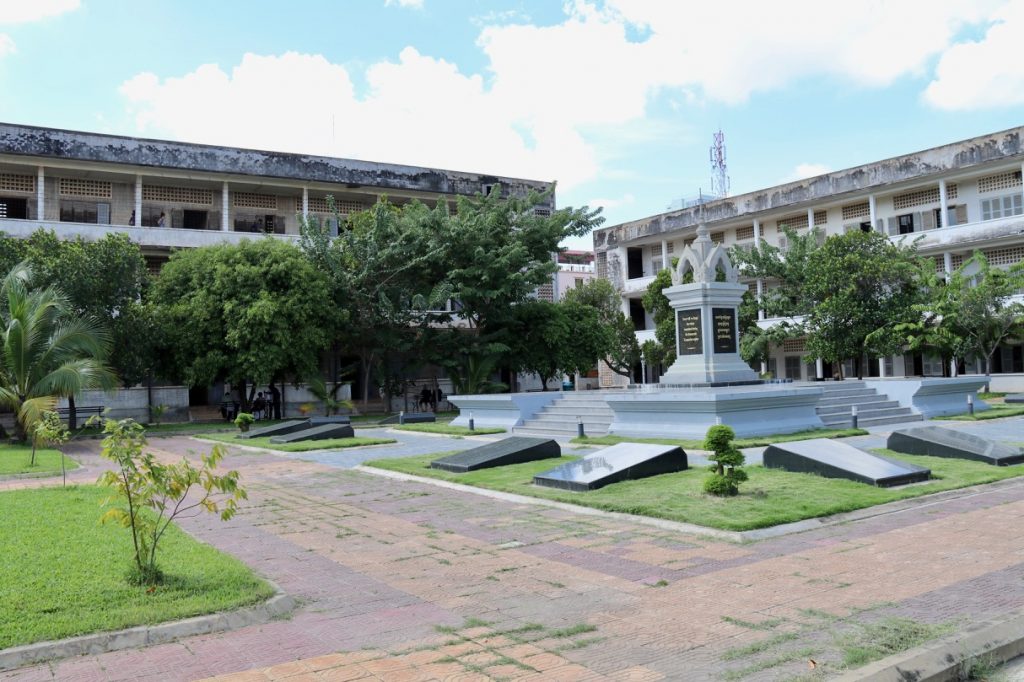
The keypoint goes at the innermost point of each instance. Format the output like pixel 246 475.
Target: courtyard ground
pixel 409 581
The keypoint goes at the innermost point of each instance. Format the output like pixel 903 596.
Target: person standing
pixel 275 401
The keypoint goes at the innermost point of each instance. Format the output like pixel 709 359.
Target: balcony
pixel 965 237
pixel 645 335
pixel 160 237
pixel 637 284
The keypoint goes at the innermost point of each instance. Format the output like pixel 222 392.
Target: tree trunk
pixel 240 387
pixel 72 416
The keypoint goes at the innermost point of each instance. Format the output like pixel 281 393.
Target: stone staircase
pixel 873 408
pixel 558 420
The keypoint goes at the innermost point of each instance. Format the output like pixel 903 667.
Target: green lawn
pixel 769 498
pixel 996 412
pixel 752 442
pixel 449 429
pixel 14 459
pixel 62 572
pixel 329 444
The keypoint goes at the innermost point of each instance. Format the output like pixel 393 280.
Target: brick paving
pixel 409 581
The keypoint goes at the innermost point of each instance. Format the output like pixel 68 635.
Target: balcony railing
pixel 965 236
pixel 172 237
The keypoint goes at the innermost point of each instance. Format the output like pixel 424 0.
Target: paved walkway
pixel 408 581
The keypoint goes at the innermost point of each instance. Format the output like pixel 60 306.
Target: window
pixel 92 212
pixel 906 223
pixel 249 222
pixel 1002 207
pixel 579 282
pixel 793 367
pixel 13 207
pixel 772 364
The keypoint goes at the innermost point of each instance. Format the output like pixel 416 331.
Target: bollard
pixel 471 422
pixel 579 427
pixel 970 404
pixel 401 417
pixel 853 415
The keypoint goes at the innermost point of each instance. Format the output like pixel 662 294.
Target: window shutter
pixel 30 211
pixel 213 220
pixel 961 214
pixel 819 237
pixel 879 225
pixel 177 218
pixel 894 227
pixel 847 229
pixel 918 222
pixel 927 220
pixel 102 213
pixel 783 243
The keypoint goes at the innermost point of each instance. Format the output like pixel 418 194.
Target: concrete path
pixel 408 581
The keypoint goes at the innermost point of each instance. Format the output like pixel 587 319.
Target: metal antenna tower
pixel 719 176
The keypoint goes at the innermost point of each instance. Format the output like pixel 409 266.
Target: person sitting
pixel 259 406
pixel 425 396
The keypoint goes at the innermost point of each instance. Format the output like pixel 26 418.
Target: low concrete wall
pixel 133 403
pixel 1006 383
pixel 933 397
pixel 750 411
pixel 297 399
pixel 500 409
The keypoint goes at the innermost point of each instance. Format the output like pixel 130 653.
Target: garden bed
pixel 62 573
pixel 771 497
pixel 449 430
pixel 752 442
pixel 302 446
pixel 14 460
pixel 997 411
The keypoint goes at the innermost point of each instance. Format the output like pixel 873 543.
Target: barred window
pixel 601 264
pixel 993 183
pixel 795 222
pixel 861 210
pixel 1004 257
pixel 74 187
pixel 793 345
pixel 178 195
pixel 820 217
pixel 253 200
pixel 744 233
pixel 923 196
pixel 320 205
pixel 17 183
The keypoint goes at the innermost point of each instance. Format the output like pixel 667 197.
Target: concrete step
pixel 847 394
pixel 844 408
pixel 869 417
pixel 879 421
pixel 578 411
pixel 561 434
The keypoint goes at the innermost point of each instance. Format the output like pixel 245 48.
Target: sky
pixel 616 100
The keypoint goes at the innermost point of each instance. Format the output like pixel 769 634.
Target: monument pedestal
pixel 707 334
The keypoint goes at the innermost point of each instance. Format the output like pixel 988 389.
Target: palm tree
pixel 46 351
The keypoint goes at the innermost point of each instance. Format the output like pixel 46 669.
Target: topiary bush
pixel 726 472
pixel 244 420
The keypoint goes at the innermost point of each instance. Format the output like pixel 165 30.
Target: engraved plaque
pixel 724 324
pixel 691 338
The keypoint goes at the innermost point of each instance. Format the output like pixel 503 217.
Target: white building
pixel 950 200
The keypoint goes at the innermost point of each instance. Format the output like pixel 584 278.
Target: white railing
pixel 173 237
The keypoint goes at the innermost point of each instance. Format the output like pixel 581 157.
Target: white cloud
pixel 7 45
pixel 24 11
pixel 985 73
pixel 807 170
pixel 607 204
pixel 415 4
pixel 554 98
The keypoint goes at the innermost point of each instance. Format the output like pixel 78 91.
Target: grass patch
pixel 877 640
pixel 448 429
pixel 62 572
pixel 770 624
pixel 769 498
pixel 328 444
pixel 14 459
pixel 753 442
pixel 995 412
pixel 992 395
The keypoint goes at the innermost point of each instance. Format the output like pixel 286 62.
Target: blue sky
pixel 617 100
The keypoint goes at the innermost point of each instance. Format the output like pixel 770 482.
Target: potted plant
pixel 243 421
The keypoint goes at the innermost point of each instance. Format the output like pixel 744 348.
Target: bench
pixel 80 412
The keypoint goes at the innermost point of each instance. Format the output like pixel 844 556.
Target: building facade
pixel 949 201
pixel 168 195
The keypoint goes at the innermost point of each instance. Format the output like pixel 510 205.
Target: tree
pixel 788 269
pixel 377 275
pixel 539 332
pixel 657 306
pixel 972 313
pixel 50 431
pixel 726 472
pixel 496 251
pixel 254 312
pixel 621 351
pixel 47 351
pixel 862 287
pixel 149 495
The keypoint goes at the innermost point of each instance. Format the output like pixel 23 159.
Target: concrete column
pixel 760 282
pixel 819 368
pixel 138 200
pixel 952 367
pixel 665 262
pixel 873 212
pixel 943 204
pixel 947 264
pixel 41 194
pixel 305 202
pixel 881 367
pixel 764 367
pixel 225 208
pixel 810 219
